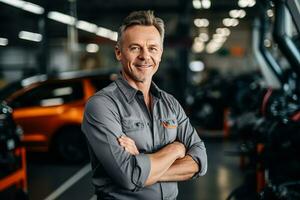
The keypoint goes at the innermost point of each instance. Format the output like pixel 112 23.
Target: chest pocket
pixel 132 125
pixel 135 129
pixel 169 127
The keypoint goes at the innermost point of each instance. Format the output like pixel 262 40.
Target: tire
pixel 70 145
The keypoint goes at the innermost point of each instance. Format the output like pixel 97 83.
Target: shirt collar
pixel 129 92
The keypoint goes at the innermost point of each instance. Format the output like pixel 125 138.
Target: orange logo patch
pixel 168 125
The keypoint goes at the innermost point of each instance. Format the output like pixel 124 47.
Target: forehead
pixel 141 34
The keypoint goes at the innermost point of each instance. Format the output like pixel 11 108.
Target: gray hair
pixel 145 18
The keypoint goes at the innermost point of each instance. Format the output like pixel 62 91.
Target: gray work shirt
pixel 120 109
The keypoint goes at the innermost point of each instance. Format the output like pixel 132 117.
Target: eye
pixel 135 48
pixel 153 49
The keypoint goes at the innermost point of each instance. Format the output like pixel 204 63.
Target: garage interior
pixel 233 65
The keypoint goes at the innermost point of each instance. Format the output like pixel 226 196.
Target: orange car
pixel 50 110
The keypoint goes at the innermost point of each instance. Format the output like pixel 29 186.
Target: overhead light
pixel 206 4
pixel 197 4
pixel 103 32
pixel 246 3
pixel 27 6
pixel 270 13
pixel 223 31
pixel 203 37
pixel 212 47
pixel 219 38
pixel 196 66
pixel 33 8
pixel 86 26
pixel 15 3
pixel 60 17
pixel 251 3
pixel 201 22
pixel 198 47
pixel 92 48
pixel 26 35
pixel 107 33
pixel 267 43
pixel 230 22
pixel 3 41
pixel 114 36
pixel 237 13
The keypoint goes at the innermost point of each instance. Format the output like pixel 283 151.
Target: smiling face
pixel 139 52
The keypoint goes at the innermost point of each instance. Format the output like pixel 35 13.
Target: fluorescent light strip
pixel 3 41
pixel 15 3
pixel 33 8
pixel 24 5
pixel 104 32
pixel 92 48
pixel 35 37
pixel 86 26
pixel 60 17
pixel 63 18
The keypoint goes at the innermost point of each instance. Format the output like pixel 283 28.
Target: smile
pixel 143 66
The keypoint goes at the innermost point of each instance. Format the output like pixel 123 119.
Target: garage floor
pixel 49 180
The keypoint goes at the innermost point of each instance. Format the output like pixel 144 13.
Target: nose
pixel 144 54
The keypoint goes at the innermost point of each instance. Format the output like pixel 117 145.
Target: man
pixel 141 142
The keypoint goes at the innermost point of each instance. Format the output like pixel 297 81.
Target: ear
pixel 118 53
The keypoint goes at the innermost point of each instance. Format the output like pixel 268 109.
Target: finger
pixel 128 144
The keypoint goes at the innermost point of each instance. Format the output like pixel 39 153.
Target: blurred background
pixel 234 66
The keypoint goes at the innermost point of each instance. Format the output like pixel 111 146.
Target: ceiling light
pixel 198 47
pixel 237 13
pixel 197 4
pixel 33 8
pixel 15 3
pixel 219 39
pixel 92 48
pixel 212 47
pixel 60 17
pixel 86 26
pixel 206 4
pixel 270 13
pixel 114 36
pixel 235 22
pixel 223 31
pixel 26 35
pixel 230 22
pixel 196 66
pixel 243 3
pixel 204 37
pixel 103 32
pixel 246 3
pixel 107 33
pixel 267 43
pixel 3 41
pixel 251 3
pixel 27 6
pixel 201 22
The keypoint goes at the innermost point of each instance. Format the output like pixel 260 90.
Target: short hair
pixel 144 18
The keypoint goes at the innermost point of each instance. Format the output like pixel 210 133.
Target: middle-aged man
pixel 141 142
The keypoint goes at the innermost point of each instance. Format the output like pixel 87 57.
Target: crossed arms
pixel 168 164
pixel 129 168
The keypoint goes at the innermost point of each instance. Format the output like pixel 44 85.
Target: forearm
pixel 162 160
pixel 180 170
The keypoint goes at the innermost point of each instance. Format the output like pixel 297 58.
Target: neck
pixel 144 86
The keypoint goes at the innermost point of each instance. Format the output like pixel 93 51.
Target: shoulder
pixel 169 98
pixel 104 96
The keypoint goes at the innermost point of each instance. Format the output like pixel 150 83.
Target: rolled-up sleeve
pixel 101 125
pixel 187 134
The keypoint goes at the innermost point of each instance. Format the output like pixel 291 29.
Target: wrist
pixel 179 148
